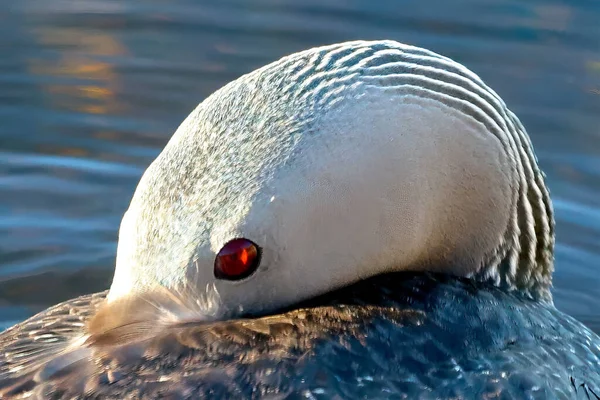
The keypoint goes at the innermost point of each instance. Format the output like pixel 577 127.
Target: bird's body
pixel 398 336
pixel 323 171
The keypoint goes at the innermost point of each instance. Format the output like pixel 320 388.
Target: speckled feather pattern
pixel 397 336
pixel 223 156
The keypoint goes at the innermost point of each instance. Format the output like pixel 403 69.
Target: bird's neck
pixel 525 260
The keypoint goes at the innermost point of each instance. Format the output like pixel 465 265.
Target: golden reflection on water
pixel 80 57
pixel 594 66
pixel 78 76
pixel 96 96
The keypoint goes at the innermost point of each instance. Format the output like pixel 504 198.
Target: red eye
pixel 238 259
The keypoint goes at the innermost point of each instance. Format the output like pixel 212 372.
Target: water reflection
pixel 90 91
pixel 79 80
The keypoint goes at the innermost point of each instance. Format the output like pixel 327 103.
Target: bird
pixel 365 219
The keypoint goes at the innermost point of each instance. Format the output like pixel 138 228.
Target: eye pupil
pixel 237 259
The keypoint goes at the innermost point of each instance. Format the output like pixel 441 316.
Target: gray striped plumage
pixel 529 241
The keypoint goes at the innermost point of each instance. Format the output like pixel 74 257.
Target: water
pixel 90 91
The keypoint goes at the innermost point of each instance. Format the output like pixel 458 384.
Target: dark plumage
pixel 394 336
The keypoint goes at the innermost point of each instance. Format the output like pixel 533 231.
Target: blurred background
pixel 90 91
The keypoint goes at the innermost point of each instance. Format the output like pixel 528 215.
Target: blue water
pixel 90 91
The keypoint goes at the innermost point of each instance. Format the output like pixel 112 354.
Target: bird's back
pixel 401 335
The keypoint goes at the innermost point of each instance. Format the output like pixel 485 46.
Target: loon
pixel 360 220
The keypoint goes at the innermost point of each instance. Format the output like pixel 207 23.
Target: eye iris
pixel 237 259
